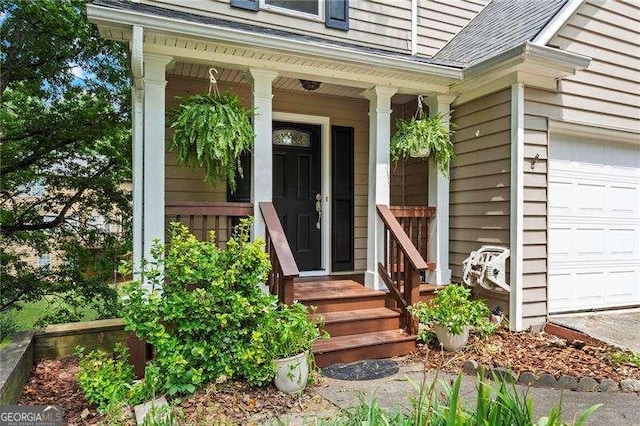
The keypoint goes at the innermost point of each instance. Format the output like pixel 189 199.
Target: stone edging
pixel 583 384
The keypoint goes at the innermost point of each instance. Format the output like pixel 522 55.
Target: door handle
pixel 318 209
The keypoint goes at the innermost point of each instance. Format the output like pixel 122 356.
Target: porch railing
pixel 416 222
pixel 284 269
pixel 203 217
pixel 400 267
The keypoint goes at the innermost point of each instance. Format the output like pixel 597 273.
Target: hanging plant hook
pixel 213 83
pixel 419 111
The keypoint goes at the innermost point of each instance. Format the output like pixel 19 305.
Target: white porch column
pixel 137 136
pixel 153 150
pixel 379 175
pixel 439 198
pixel 262 171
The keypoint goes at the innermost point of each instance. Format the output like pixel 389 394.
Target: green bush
pixel 104 378
pixel 289 331
pixel 453 308
pixel 204 313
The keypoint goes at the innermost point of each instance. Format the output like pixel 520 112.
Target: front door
pixel 297 188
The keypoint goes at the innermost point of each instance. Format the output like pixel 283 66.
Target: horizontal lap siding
pixel 480 181
pixel 534 310
pixel 606 94
pixel 440 20
pixel 373 23
pixel 409 178
pixel 188 184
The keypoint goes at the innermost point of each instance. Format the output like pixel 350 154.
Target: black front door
pixel 296 188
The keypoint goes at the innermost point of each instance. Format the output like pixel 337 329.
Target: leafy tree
pixel 65 156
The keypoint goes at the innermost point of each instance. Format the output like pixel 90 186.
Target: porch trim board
pixel 517 207
pixel 325 144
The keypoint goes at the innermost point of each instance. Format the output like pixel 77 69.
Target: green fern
pixel 212 133
pixel 423 134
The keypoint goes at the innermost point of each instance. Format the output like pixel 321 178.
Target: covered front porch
pixel 320 185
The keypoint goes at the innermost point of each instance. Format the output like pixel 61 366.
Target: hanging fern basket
pixel 212 133
pixel 423 137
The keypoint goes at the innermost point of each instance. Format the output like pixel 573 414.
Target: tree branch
pixel 10 229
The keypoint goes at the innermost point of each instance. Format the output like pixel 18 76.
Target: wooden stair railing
pixel 403 282
pixel 202 217
pixel 284 269
pixel 416 222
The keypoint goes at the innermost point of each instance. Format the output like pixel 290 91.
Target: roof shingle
pixel 500 26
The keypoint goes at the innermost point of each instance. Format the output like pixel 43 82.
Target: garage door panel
pixel 594 224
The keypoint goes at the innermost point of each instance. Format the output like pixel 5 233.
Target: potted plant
pixel 422 136
pixel 452 314
pixel 290 333
pixel 212 132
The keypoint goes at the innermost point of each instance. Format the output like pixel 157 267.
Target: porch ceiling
pixel 200 71
pixel 354 77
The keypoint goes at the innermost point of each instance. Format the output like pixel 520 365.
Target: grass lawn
pixel 27 317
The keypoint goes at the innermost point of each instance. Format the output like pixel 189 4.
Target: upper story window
pixel 335 13
pixel 310 7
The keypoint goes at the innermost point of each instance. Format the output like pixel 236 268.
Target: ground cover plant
pixel 441 403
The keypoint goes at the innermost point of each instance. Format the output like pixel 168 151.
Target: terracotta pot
pixel 292 373
pixel 452 342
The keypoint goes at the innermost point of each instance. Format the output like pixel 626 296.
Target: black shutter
pixel 342 221
pixel 337 14
pixel 245 4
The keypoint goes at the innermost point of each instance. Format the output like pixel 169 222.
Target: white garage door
pixel 594 224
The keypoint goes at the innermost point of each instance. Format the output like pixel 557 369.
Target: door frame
pixel 325 166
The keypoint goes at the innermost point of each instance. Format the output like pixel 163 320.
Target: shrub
pixel 289 331
pixel 105 378
pixel 452 307
pixel 204 313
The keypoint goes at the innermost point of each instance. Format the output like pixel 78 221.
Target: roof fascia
pixel 100 14
pixel 557 22
pixel 536 66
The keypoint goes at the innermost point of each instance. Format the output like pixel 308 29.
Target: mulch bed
pixel 53 382
pixel 539 353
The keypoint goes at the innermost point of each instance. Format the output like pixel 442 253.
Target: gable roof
pixel 500 26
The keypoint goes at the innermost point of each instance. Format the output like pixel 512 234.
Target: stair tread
pixel 360 340
pixel 338 289
pixel 356 315
pixel 430 287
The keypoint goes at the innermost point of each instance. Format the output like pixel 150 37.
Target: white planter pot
pixel 292 373
pixel 452 342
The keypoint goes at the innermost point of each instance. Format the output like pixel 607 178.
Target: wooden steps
pixel 427 291
pixel 360 325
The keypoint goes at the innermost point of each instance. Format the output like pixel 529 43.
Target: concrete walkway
pixel 618 408
pixel 617 328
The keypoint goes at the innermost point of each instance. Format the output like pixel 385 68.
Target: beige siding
pixel 534 309
pixel 480 180
pixel 440 20
pixel 187 184
pixel 380 24
pixel 374 23
pixel 409 179
pixel 607 93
